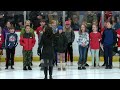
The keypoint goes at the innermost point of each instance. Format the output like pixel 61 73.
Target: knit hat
pixel 67 23
pixel 60 28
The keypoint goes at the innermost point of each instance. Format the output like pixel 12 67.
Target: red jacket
pixel 38 30
pixel 118 32
pixel 95 40
pixel 27 41
pixel 1 40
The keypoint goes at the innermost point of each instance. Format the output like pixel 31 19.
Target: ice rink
pixel 71 72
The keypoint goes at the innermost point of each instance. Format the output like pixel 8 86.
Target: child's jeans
pixel 95 56
pixel 82 55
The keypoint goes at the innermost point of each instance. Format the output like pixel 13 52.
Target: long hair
pixel 48 32
pixel 80 31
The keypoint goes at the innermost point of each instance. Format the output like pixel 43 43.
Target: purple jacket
pixel 5 31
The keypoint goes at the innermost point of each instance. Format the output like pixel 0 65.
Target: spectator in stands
pixel 6 28
pixel 2 19
pixel 75 25
pixel 90 17
pixel 70 37
pixel 35 17
pixel 19 26
pixel 115 23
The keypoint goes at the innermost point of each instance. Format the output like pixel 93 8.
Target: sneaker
pixel 83 68
pixel 86 65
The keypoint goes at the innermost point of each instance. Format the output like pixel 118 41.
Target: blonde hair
pixel 27 21
pixel 53 21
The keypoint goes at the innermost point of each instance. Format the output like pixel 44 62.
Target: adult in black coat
pixel 47 54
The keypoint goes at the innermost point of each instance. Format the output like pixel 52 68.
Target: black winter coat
pixel 47 46
pixel 60 42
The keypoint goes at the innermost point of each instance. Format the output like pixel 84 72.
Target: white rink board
pixel 19 48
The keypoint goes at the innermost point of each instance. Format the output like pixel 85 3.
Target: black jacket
pixel 47 46
pixel 60 42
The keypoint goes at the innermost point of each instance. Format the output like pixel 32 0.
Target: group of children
pixel 9 41
pixel 107 38
pixel 54 42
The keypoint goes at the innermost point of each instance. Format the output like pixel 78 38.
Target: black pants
pixel 108 55
pixel 10 56
pixel 48 64
pixel 70 51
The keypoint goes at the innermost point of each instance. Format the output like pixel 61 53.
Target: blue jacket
pixel 11 40
pixel 109 37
